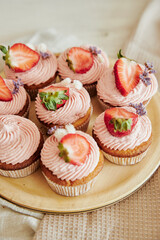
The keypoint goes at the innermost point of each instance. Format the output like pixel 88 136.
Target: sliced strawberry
pixel 126 75
pixel 5 93
pixel 119 121
pixel 79 60
pixel 19 57
pixel 54 97
pixel 74 148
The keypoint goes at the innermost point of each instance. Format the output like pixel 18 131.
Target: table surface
pixel 107 23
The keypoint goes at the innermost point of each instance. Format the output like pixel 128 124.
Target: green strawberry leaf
pixel 63 153
pixel 3 49
pixel 119 54
pixel 52 99
pixel 121 124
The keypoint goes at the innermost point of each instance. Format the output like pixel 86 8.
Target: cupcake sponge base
pixel 70 191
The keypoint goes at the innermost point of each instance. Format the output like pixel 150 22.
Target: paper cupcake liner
pixel 33 92
pixel 105 106
pixel 21 172
pixel 71 191
pixel 125 160
pixel 91 89
pixel 83 127
pixel 26 114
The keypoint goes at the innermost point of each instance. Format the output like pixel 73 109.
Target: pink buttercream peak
pixel 17 103
pixel 92 75
pixel 75 107
pixel 19 139
pixel 40 73
pixel 108 92
pixel 50 158
pixel 140 133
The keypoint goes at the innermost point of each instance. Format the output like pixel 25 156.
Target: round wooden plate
pixel 113 184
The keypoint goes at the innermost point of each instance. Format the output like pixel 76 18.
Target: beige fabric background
pixel 111 25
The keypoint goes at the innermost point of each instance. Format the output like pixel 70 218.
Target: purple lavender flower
pixel 149 66
pixel 140 109
pixel 51 130
pixel 94 50
pixel 17 84
pixel 148 70
pixel 146 80
pixel 44 55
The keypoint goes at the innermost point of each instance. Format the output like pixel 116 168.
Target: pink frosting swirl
pixel 91 76
pixel 75 107
pixel 63 170
pixel 108 92
pixel 140 133
pixel 40 73
pixel 17 103
pixel 19 139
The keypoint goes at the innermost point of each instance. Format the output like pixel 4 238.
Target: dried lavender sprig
pixel 146 80
pixel 148 65
pixel 17 84
pixel 51 130
pixel 44 55
pixel 94 50
pixel 148 70
pixel 140 108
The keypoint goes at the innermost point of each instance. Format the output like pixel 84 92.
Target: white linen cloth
pixel 133 218
pixel 144 43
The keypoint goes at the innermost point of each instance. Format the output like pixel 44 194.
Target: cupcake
pixel 70 161
pixel 123 135
pixel 63 103
pixel 128 82
pixel 36 68
pixel 13 98
pixel 86 64
pixel 20 146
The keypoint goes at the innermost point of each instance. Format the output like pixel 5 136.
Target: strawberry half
pixel 19 57
pixel 126 75
pixel 74 148
pixel 54 97
pixel 119 121
pixel 79 60
pixel 5 93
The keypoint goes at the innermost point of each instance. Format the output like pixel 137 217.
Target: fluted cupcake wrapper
pixel 26 114
pixel 125 160
pixel 20 172
pixel 70 191
pixel 33 92
pixel 91 89
pixel 83 127
pixel 105 106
